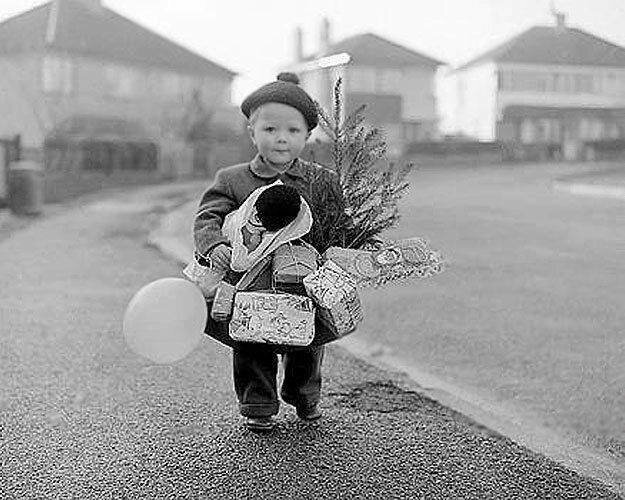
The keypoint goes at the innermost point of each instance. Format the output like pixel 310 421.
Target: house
pixel 550 91
pixel 395 82
pixel 75 71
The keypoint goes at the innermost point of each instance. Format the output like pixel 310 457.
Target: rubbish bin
pixel 25 187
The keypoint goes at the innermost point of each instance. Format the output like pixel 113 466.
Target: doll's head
pixel 275 208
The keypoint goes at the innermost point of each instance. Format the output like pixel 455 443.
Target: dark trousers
pixel 255 369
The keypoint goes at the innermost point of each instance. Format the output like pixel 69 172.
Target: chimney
pixel 299 44
pixel 324 35
pixel 92 4
pixel 560 20
pixel 51 27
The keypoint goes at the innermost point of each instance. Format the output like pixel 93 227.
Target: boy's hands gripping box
pixel 337 298
pixel 205 277
pixel 273 318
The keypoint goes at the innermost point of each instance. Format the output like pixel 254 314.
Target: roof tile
pixel 100 33
pixel 371 49
pixel 553 45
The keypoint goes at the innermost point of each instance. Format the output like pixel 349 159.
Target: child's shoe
pixel 309 413
pixel 260 424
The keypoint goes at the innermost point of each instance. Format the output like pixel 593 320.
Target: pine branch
pixel 369 188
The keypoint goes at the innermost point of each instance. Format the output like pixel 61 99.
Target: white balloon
pixel 165 320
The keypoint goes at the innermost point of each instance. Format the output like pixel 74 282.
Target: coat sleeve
pixel 216 202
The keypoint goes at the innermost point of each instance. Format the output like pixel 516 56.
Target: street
pixel 83 417
pixel 529 316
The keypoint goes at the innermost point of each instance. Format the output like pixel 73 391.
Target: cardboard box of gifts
pixel 273 318
pixel 393 260
pixel 336 297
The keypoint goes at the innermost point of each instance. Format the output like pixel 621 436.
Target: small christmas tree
pixel 371 186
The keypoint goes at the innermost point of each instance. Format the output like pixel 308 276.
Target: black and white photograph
pixel 312 250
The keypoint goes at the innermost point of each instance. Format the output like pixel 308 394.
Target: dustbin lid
pixel 25 165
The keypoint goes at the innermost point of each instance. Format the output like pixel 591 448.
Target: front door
pixel 10 150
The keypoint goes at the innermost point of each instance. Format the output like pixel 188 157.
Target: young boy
pixel 281 117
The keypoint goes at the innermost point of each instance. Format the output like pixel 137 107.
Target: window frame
pixel 58 74
pixel 121 81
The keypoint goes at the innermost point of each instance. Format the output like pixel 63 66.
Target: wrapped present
pixel 392 261
pixel 291 263
pixel 336 297
pixel 224 299
pixel 273 318
pixel 225 292
pixel 205 277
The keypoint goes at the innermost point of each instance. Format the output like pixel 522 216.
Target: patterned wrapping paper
pixel 291 263
pixel 395 260
pixel 336 296
pixel 273 318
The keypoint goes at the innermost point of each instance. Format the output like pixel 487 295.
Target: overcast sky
pixel 255 38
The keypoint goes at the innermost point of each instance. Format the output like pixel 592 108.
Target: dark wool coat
pixel 231 187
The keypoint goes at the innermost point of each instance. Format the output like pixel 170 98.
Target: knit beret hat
pixel 284 90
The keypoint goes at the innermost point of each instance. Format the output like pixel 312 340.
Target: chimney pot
pixel 324 35
pixel 93 4
pixel 299 44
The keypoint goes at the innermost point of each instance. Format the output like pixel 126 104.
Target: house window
pixel 563 83
pixel 621 85
pixel 153 82
pixel 121 81
pixel 566 84
pixel 524 81
pixel 172 85
pixel 506 80
pixel 583 84
pixel 598 85
pixel 413 131
pixel 388 81
pixel 584 129
pixel 57 75
pixel 362 79
pixel 189 86
pixel 546 130
pixel 528 132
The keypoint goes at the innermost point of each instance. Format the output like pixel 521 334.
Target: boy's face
pixel 279 132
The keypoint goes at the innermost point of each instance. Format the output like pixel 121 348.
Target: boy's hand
pixel 220 256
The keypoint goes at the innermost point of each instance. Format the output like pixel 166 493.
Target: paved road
pixel 529 316
pixel 82 417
